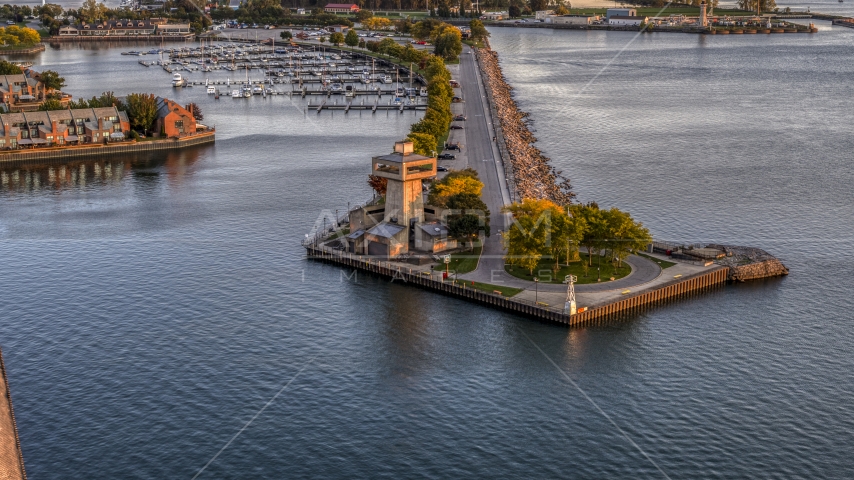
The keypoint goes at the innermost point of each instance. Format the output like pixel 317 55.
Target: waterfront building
pixel 173 120
pixel 62 127
pixel 620 12
pixel 632 21
pixel 26 92
pixel 543 14
pixel 572 19
pixel 387 230
pixel 341 8
pixel 494 16
pixel 125 28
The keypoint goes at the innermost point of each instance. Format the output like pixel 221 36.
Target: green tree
pixel 337 38
pixel 469 216
pixel 478 31
pixel 529 235
pixel 142 110
pixel 763 5
pixel 514 11
pixel 454 183
pixel 352 38
pixel 595 234
pixel 286 35
pixel 363 15
pixel 561 10
pixel 423 143
pixel 538 5
pixel 322 39
pixel 9 68
pixel 51 104
pixel 625 235
pixel 449 43
pixel 52 80
pixel 92 11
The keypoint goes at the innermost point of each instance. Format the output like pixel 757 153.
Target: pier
pixel 11 458
pixel 506 173
pixel 628 304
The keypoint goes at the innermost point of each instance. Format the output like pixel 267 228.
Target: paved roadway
pixel 483 156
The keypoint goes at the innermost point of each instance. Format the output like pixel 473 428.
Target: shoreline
pixel 532 172
pixel 63 154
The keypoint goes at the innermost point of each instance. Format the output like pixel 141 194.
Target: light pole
pixel 536 290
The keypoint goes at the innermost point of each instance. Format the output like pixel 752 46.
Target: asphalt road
pixel 483 156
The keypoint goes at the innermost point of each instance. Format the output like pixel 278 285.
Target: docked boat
pixel 336 88
pixel 211 89
pixel 385 79
pixel 257 90
pixel 178 80
pixel 235 94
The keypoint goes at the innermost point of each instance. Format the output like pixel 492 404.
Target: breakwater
pixel 60 154
pixel 533 176
pixel 590 316
pixel 11 458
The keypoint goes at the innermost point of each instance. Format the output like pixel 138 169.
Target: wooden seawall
pixel 60 154
pixel 677 288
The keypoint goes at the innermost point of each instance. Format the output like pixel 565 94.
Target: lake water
pixel 153 305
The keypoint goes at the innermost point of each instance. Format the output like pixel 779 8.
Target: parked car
pixel 460 118
pixel 452 146
pixel 456 127
pixel 455 83
pixel 456 100
pixel 446 156
pixel 441 169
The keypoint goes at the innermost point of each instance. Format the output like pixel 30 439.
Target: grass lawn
pixel 547 275
pixel 661 263
pixel 462 262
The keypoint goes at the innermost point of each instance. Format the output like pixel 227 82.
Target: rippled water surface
pixel 152 305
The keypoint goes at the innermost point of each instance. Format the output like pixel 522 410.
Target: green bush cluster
pixel 427 132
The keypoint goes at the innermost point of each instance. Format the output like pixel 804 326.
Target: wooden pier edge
pixel 702 281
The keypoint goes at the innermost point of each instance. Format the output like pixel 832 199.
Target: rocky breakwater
pixel 747 263
pixel 532 171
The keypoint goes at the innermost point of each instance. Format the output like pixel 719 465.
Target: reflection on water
pixel 98 171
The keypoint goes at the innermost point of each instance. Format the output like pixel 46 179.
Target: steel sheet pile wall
pixel 717 276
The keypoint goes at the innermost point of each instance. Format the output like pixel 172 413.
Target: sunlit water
pixel 152 305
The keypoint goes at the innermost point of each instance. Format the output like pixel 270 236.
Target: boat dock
pixel 373 107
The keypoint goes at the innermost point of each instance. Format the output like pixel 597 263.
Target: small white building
pixel 495 16
pixel 573 20
pixel 543 14
pixel 626 21
pixel 620 12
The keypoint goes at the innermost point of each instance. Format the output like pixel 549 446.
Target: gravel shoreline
pixel 534 175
